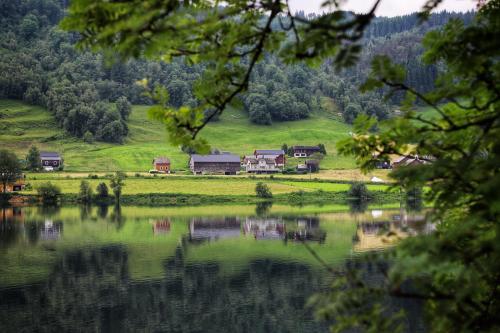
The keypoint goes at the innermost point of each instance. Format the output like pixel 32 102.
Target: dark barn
pixel 226 164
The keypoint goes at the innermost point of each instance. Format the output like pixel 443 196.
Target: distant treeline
pixel 90 98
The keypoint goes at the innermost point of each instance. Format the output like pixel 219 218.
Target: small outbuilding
pixel 161 165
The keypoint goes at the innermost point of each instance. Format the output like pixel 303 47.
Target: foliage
pixel 238 47
pixel 358 191
pixel 10 168
pixel 102 190
pixel 116 185
pixel 33 161
pixel 49 193
pixel 88 137
pixel 85 194
pixel 454 270
pixel 263 191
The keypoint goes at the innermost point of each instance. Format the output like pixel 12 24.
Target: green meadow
pixel 22 125
pixel 196 185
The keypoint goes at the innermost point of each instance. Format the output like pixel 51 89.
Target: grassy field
pixel 196 185
pixel 22 125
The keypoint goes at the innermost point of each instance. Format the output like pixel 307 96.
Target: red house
pixel 277 154
pixel 161 164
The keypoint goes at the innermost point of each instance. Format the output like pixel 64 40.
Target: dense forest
pixel 91 96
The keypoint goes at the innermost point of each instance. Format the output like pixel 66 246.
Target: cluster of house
pixel 261 161
pixel 407 160
pixel 49 161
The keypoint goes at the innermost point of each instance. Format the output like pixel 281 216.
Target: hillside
pixel 22 125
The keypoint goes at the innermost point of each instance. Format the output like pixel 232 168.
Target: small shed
pixel 161 164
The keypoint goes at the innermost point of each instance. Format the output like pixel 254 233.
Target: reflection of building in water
pixel 12 213
pixel 384 231
pixel 207 229
pixel 51 230
pixel 269 228
pixel 161 226
pixel 307 229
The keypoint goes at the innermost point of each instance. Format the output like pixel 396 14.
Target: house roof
pixel 221 158
pixel 161 160
pixel 255 160
pixel 269 152
pixel 49 154
pixel 306 147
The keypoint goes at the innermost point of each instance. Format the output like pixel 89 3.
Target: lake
pixel 190 269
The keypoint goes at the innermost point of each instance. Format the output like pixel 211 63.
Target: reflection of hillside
pixel 376 234
pixel 209 229
pixel 89 290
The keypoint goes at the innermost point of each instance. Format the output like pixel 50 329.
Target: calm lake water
pixel 197 269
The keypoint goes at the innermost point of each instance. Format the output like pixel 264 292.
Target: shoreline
pixel 176 199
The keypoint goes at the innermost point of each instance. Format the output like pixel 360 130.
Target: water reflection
pixel 161 226
pixel 210 229
pixel 382 229
pixel 239 270
pixel 265 228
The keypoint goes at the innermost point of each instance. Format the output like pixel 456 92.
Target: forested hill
pixel 90 99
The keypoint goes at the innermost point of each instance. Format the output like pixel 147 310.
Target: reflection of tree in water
pixel 414 200
pixel 48 210
pixel 357 206
pixel 90 290
pixel 102 211
pixel 117 217
pixel 85 211
pixel 262 208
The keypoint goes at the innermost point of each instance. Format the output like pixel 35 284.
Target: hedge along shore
pixel 176 199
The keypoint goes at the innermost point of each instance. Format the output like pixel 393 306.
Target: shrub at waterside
pixel 49 193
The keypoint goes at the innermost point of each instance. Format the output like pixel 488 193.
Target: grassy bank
pixel 194 185
pixel 22 125
pixel 197 190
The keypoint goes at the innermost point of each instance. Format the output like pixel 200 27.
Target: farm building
pixel 312 165
pixel 227 164
pixel 261 164
pixel 305 151
pixel 161 164
pixel 50 159
pixel 277 154
pixel 15 186
pixel 410 160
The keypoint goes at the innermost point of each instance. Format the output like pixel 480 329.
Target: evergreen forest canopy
pixel 90 96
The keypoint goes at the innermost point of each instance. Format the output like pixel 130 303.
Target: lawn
pixel 196 185
pixel 22 125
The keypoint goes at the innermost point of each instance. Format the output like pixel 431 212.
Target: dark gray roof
pixel 161 160
pixel 269 152
pixel 49 154
pixel 221 158
pixel 306 147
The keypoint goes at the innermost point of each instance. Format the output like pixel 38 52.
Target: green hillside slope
pixel 22 125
